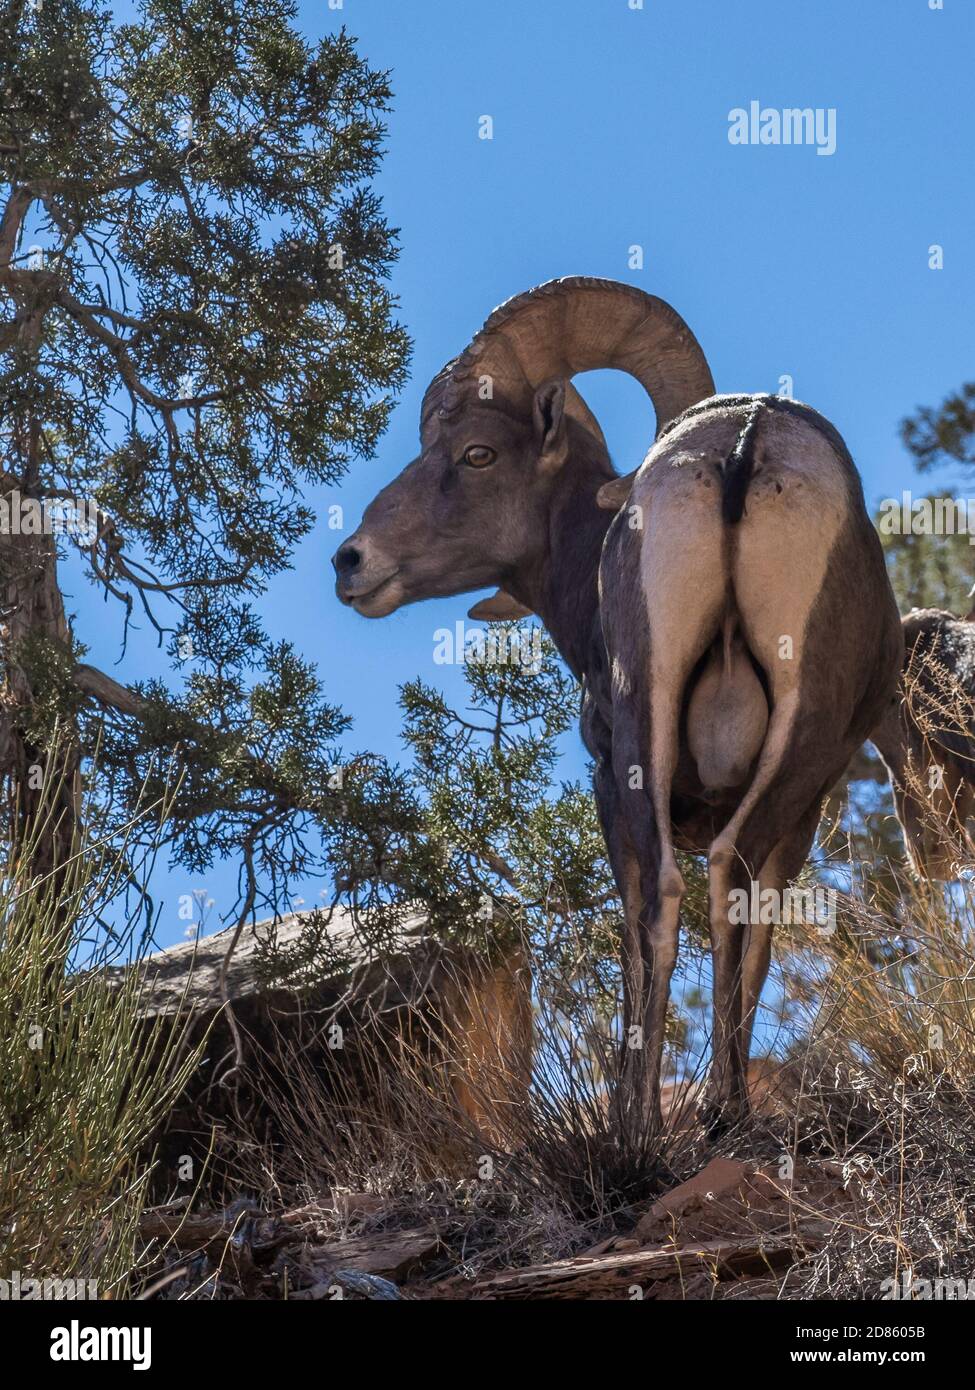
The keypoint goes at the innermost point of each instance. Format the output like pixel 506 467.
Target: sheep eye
pixel 479 456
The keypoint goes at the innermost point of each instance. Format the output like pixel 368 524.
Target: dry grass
pixel 883 1049
pixel 437 1119
pixel 79 1095
pixel 877 1103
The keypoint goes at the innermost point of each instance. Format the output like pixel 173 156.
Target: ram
pixel 766 647
pixel 927 741
pixel 745 525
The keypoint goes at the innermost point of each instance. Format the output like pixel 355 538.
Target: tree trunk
pixel 41 815
pixel 41 785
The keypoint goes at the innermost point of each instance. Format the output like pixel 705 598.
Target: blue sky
pixel 611 130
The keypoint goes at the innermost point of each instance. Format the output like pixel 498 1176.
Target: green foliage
pixel 80 1093
pixel 930 571
pixel 475 831
pixel 517 846
pixel 936 571
pixel 937 436
pixel 862 838
pixel 205 335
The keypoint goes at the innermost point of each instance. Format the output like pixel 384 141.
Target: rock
pixel 289 981
pixel 390 1253
pixel 365 1285
pixel 348 1205
pixel 721 1177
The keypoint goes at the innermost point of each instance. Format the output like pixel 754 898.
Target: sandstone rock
pixel 719 1178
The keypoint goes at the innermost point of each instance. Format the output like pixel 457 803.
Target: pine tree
pixel 194 330
pixel 926 571
pixel 947 434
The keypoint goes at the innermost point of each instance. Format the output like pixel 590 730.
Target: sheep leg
pixel 626 873
pixel 788 789
pixel 647 826
pixel 681 567
pixel 727 872
pixel 726 1097
pixel 781 867
pixel 891 743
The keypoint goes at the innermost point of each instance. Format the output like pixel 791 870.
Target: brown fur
pixel 735 531
pixel 802 570
pixel 926 739
pixel 727 717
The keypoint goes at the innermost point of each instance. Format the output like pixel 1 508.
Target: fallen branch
pixel 581 1276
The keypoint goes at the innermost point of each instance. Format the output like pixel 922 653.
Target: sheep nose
pixel 347 560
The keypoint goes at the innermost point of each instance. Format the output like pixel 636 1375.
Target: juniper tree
pixel 926 571
pixel 503 848
pixel 523 848
pixel 946 434
pixel 476 828
pixel 194 331
pixel 929 570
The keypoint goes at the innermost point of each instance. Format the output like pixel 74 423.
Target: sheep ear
pixel 611 496
pixel 548 412
pixel 499 608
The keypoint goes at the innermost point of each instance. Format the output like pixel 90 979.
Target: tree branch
pixel 107 691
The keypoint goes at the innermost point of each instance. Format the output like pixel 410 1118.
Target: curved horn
pixel 578 324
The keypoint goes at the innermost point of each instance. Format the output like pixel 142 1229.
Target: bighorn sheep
pixel 927 740
pixel 755 531
pixel 769 646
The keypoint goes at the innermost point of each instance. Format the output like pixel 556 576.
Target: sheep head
pixel 498 427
